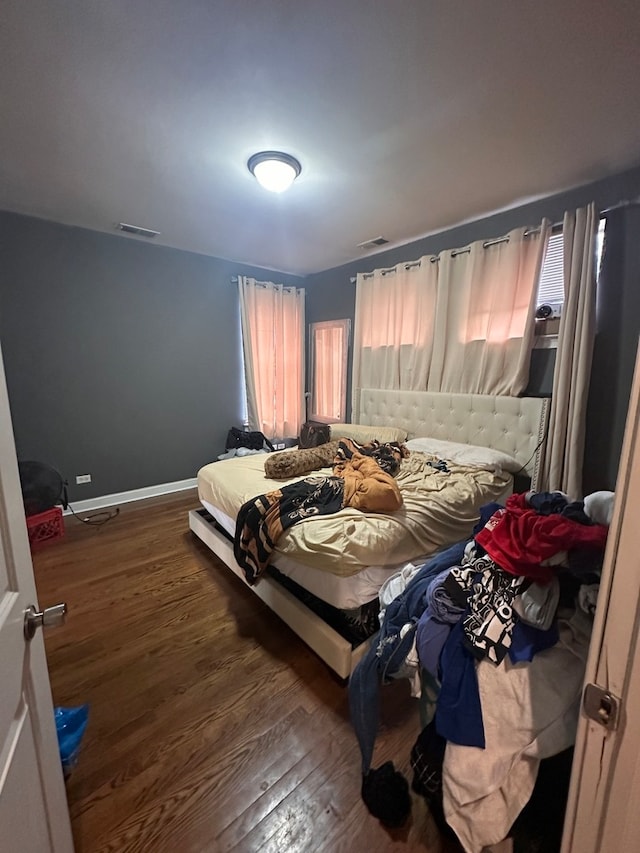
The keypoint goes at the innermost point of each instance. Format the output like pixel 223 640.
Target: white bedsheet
pixel 438 508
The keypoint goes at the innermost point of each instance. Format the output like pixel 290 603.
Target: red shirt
pixel 519 540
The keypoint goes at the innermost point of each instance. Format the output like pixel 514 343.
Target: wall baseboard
pixel 133 495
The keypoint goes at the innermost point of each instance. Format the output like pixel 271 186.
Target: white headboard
pixel 515 425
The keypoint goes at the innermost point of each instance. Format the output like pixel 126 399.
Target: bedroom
pixel 106 339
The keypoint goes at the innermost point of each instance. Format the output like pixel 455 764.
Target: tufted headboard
pixel 515 425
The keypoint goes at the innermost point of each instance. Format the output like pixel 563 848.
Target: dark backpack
pixel 253 439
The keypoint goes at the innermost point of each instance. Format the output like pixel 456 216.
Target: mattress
pixel 344 593
pixel 439 507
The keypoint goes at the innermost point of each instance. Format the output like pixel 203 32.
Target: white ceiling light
pixel 274 170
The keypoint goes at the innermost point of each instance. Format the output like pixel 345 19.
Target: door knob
pixel 50 617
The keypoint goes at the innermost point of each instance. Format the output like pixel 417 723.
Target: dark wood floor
pixel 212 726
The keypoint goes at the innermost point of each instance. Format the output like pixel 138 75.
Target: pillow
pixel 364 434
pixel 466 454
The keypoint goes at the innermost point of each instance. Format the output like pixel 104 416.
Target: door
pixel 603 812
pixel 33 808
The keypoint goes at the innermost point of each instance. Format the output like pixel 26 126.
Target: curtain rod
pixel 454 253
pixel 485 245
pixel 631 202
pixel 287 287
pixel 555 227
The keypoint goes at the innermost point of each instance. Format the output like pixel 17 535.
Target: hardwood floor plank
pixel 177 803
pixel 261 811
pixel 254 789
pixel 212 727
pixel 280 828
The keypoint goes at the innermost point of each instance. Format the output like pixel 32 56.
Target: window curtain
pixel 272 320
pixel 485 315
pixel 393 329
pixel 564 450
pixel 461 322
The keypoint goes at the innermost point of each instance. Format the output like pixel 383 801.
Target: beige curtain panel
pixel 272 319
pixel 462 321
pixel 485 315
pixel 393 329
pixel 564 450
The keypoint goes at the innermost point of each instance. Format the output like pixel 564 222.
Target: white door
pixel 603 812
pixel 33 808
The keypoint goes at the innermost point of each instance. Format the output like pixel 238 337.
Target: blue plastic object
pixel 70 726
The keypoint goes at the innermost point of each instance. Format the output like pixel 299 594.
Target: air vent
pixel 136 229
pixel 371 244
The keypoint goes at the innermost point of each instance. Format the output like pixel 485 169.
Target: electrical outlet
pixel 83 478
pixel 279 445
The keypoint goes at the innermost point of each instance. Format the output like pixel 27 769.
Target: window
pixel 551 285
pixel 329 345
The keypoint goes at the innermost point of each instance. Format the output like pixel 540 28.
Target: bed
pixel 311 589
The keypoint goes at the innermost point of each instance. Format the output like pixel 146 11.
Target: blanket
pixel 437 508
pixel 360 484
pixel 388 455
pixel 262 521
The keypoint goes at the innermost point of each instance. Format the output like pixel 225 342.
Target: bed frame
pixel 515 425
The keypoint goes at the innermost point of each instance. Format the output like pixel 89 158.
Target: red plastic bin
pixel 45 527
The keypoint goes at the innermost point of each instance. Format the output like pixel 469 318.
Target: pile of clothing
pixel 493 634
pixel 363 479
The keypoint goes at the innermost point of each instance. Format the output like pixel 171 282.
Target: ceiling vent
pixel 371 244
pixel 136 229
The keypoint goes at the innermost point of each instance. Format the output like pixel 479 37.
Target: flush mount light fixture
pixel 274 170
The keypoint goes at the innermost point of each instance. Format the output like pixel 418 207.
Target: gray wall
pixel 331 296
pixel 122 358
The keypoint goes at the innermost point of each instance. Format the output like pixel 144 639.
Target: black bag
pixel 313 434
pixel 253 439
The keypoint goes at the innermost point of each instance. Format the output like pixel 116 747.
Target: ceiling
pixel 407 117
